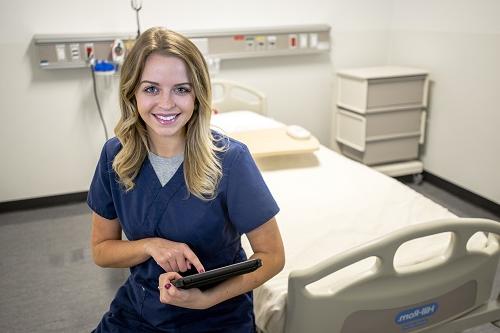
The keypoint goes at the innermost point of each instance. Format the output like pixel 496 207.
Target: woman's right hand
pixel 172 256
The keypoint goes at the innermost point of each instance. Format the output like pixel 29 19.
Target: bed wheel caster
pixel 418 178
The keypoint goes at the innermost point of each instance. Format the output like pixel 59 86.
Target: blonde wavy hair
pixel 202 168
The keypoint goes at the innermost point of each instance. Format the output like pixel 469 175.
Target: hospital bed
pixel 364 253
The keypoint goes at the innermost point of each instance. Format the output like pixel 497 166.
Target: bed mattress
pixel 329 204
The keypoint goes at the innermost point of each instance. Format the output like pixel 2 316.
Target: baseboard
pixel 42 202
pixel 462 193
pixel 63 199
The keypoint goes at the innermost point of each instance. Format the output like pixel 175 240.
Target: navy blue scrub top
pixel 212 229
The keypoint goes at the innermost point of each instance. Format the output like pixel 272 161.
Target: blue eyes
pixel 182 90
pixel 153 90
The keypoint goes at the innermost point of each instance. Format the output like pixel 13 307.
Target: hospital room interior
pixel 374 125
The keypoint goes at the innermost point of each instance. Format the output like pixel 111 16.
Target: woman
pixel 182 194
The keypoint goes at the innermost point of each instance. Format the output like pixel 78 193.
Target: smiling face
pixel 165 100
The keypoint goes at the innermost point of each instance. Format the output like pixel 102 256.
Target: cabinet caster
pixel 418 178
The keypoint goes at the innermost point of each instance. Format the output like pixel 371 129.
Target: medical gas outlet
pixel 292 41
pixel 89 51
pixel 79 51
pixel 271 42
pixel 118 51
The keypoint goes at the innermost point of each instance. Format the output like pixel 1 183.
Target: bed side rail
pixel 234 96
pixel 422 298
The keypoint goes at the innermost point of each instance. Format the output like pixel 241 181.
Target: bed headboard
pixel 233 96
pixel 390 300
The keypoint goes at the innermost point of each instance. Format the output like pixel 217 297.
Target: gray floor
pixel 48 280
pixel 49 283
pixel 455 204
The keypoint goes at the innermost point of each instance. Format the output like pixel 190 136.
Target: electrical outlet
pixel 75 51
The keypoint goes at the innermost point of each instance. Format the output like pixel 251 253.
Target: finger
pixel 165 282
pixel 169 276
pixel 173 263
pixel 166 267
pixel 193 259
pixel 164 260
pixel 168 294
pixel 163 279
pixel 164 296
pixel 181 263
pixel 166 278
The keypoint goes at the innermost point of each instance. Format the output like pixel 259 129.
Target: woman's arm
pixel 267 245
pixel 109 250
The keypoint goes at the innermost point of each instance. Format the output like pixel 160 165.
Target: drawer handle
pixel 423 120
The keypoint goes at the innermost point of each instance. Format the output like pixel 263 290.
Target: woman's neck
pixel 167 147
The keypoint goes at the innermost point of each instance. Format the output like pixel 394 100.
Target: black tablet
pixel 217 275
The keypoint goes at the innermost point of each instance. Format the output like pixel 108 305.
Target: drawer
pixel 369 90
pixel 384 151
pixel 355 129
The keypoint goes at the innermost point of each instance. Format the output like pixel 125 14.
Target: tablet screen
pixel 217 275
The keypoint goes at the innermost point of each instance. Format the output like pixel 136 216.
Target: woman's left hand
pixel 192 298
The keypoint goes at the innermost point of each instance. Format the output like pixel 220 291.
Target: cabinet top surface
pixel 381 72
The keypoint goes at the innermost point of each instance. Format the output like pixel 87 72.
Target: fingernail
pixel 168 285
pixel 202 271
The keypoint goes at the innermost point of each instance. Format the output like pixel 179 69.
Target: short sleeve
pixel 249 201
pixel 100 198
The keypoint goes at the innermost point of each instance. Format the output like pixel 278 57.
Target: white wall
pixel 458 41
pixel 50 131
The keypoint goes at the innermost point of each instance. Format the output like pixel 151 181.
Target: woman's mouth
pixel 166 119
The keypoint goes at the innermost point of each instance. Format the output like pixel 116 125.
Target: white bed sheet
pixel 238 121
pixel 329 204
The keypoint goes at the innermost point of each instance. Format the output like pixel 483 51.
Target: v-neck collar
pixel 161 195
pixel 155 183
pixel 180 166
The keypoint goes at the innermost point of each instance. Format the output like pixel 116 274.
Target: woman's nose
pixel 167 101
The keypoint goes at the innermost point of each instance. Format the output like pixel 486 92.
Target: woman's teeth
pixel 166 119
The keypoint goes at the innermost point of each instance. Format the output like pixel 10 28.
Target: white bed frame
pixel 446 294
pixel 236 96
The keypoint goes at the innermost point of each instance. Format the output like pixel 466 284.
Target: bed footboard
pixel 449 293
